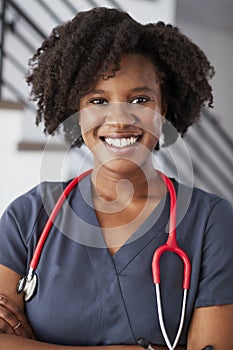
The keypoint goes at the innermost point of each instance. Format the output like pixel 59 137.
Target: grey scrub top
pixel 85 296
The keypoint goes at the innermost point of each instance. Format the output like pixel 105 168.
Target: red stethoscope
pixel 28 283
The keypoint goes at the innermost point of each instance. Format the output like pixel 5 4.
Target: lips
pixel 121 139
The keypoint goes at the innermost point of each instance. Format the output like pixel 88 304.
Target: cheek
pixel 152 122
pixel 157 126
pixel 89 138
pixel 86 128
pixel 89 119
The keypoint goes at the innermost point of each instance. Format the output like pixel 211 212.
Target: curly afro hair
pixel 90 46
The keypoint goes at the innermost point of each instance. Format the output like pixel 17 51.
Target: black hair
pixel 80 51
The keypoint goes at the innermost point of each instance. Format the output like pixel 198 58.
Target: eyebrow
pixel 142 88
pixel 137 89
pixel 96 91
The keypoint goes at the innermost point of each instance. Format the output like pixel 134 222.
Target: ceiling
pixel 211 13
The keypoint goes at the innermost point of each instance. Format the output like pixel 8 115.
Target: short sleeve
pixel 16 225
pixel 22 223
pixel 216 275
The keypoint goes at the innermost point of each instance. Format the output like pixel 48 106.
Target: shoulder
pixel 208 198
pixel 25 210
pixel 202 203
pixel 211 248
pixel 217 213
pixel 212 206
pixel 36 197
pixel 203 217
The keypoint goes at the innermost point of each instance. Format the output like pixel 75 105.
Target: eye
pixel 140 99
pixel 98 101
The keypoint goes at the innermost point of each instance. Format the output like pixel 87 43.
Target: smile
pixel 121 142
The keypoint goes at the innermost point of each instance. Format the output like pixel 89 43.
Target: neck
pixel 125 186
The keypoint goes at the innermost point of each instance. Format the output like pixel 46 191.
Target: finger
pixel 12 307
pixel 14 310
pixel 11 325
pixel 8 318
pixel 15 318
pixel 5 327
pixel 25 331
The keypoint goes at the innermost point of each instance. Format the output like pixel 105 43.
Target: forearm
pixel 12 342
pixel 17 333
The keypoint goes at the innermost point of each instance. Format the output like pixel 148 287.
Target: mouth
pixel 121 141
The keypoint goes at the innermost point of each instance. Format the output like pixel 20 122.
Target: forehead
pixel 135 69
pixel 130 62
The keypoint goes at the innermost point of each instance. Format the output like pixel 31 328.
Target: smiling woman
pixel 128 114
pixel 93 281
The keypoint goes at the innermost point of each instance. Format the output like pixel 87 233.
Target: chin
pixel 123 167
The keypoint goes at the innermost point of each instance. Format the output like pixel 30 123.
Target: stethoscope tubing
pixel 39 247
pixel 161 320
pixel 28 283
pixel 172 246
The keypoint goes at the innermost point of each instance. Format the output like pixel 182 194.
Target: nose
pixel 119 113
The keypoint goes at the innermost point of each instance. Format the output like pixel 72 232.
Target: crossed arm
pixel 210 325
pixel 13 320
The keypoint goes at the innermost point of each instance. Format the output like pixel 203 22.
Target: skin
pixel 126 187
pixel 117 172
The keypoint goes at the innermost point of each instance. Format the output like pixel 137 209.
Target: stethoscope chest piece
pixel 27 285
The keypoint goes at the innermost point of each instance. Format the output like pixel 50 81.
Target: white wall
pixel 141 10
pixel 218 46
pixel 20 171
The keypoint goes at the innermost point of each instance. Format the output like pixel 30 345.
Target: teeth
pixel 123 142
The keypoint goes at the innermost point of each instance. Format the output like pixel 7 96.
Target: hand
pixel 13 319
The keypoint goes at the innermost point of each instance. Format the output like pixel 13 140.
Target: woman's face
pixel 121 117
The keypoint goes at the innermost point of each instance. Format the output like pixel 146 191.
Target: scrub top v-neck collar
pixel 108 269
pixel 148 230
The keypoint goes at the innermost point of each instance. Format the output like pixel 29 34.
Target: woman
pixel 94 281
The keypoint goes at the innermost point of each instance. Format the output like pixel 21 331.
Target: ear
pixel 164 109
pixel 164 104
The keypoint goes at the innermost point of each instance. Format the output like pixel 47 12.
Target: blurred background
pixel 203 157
